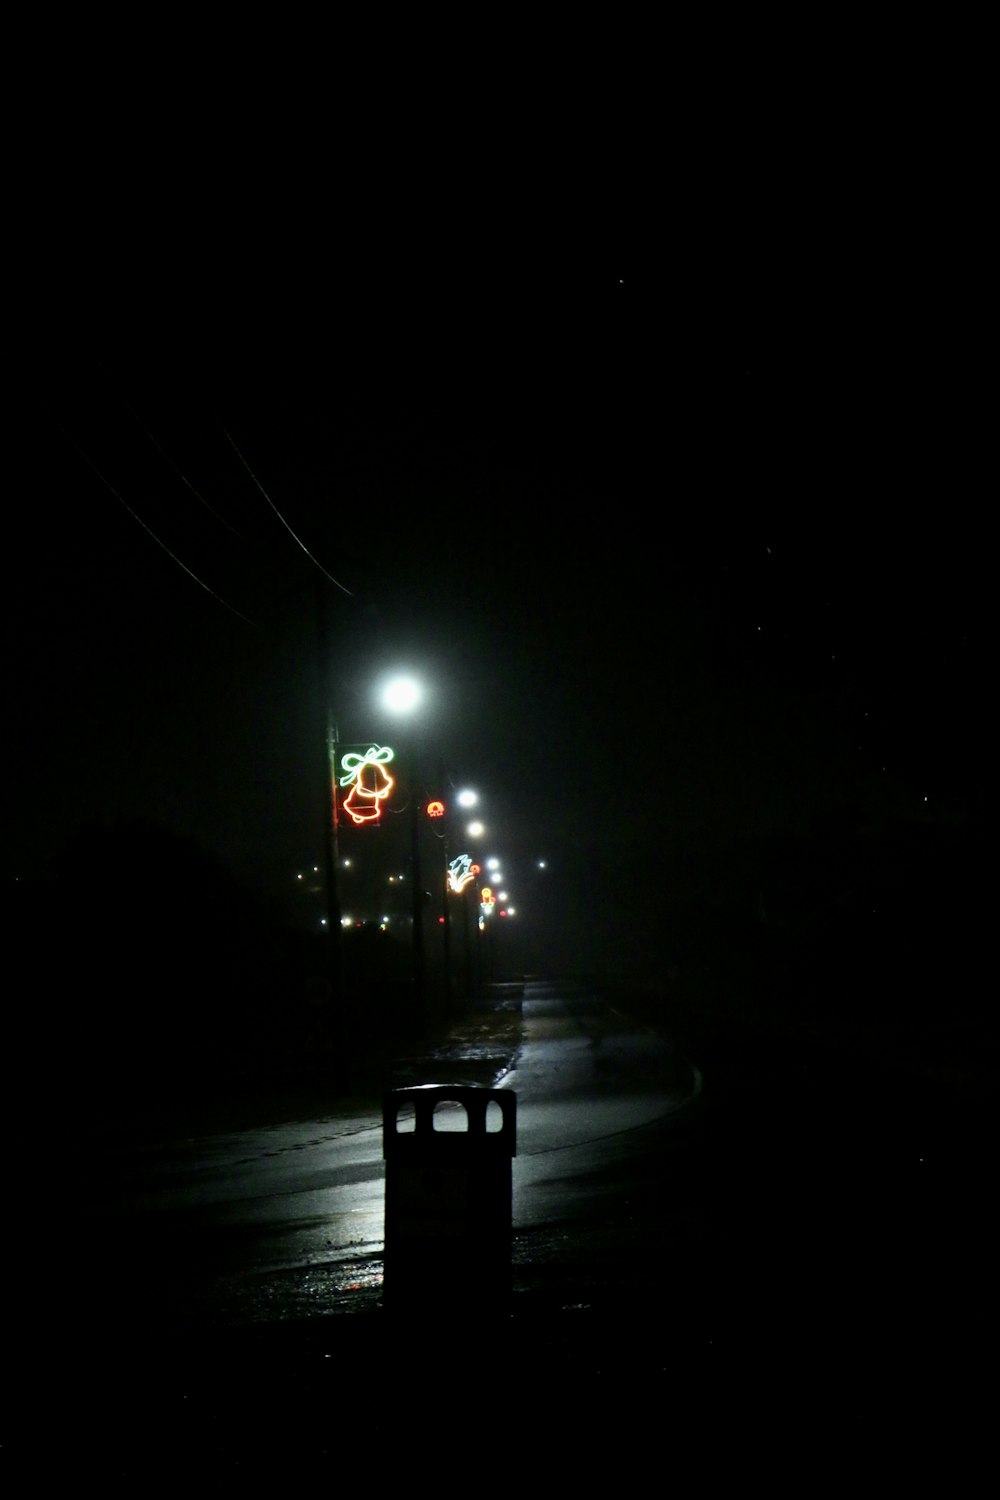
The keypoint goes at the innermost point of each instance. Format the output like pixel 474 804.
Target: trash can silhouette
pixel 448 1199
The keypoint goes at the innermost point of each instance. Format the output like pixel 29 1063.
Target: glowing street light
pixel 401 695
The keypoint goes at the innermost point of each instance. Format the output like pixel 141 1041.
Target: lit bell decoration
pixel 370 784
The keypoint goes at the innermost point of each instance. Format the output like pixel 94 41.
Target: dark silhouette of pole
pixel 419 982
pixel 446 918
pixel 331 849
pixel 480 939
pixel 469 989
pixel 331 856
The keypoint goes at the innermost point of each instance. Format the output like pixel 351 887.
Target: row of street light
pixel 362 779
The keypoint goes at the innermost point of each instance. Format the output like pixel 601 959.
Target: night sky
pixel 690 557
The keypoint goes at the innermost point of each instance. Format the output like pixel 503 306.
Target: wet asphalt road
pixel 792 1278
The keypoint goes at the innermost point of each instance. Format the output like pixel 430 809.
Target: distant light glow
pixel 475 830
pixel 468 798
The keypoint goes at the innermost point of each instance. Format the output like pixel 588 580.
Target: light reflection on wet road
pixel 309 1196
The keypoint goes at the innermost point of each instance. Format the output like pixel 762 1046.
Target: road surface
pixel 785 1289
pixel 287 1219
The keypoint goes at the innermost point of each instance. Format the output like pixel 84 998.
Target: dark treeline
pixel 144 974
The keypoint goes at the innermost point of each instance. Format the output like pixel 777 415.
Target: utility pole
pixel 446 916
pixel 331 855
pixel 418 895
pixel 469 985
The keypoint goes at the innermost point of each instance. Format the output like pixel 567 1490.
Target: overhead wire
pixel 166 456
pixel 186 481
pixel 284 523
pixel 148 529
pixel 180 474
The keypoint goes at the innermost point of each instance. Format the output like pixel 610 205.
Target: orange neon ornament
pixel 369 782
pixel 435 809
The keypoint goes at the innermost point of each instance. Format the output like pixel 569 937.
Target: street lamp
pixel 401 695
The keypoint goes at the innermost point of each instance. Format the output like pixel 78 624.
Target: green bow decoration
pixel 352 764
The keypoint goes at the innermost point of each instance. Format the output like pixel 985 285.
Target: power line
pixel 182 476
pixel 284 523
pixel 148 529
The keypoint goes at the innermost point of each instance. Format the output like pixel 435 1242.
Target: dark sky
pixel 688 548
